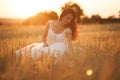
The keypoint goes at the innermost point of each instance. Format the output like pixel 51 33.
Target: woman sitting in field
pixel 57 37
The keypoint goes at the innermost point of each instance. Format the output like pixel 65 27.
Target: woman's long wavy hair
pixel 72 25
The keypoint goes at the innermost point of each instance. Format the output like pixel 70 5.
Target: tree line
pixel 42 17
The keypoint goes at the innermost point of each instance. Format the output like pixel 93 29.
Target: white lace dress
pixel 56 44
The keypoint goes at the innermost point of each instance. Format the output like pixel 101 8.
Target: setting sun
pixel 27 8
pixel 23 8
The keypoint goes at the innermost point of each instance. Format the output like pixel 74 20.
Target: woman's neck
pixel 62 24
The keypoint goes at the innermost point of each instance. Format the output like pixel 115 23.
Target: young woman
pixel 57 37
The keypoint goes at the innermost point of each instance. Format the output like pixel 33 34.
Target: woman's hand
pixel 45 44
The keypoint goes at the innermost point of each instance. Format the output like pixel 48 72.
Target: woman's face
pixel 67 19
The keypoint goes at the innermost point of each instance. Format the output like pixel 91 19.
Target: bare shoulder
pixel 48 25
pixel 68 31
pixel 53 22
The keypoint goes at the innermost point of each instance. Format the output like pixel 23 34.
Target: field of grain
pixel 96 55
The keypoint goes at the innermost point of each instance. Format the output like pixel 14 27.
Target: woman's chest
pixel 53 35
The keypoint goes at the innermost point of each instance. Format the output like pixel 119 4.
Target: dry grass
pixel 98 49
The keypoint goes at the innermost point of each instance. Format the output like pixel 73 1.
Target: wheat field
pixel 96 55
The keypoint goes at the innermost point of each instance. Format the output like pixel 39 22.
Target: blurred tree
pixel 75 7
pixel 96 18
pixel 41 18
pixel 85 20
pixel 111 17
pixel 53 15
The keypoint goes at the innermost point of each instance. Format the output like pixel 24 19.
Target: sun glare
pixel 27 8
pixel 24 8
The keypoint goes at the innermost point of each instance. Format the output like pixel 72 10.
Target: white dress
pixel 56 44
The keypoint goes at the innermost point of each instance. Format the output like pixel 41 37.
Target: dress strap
pixel 50 22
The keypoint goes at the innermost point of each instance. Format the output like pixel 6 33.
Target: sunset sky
pixel 27 8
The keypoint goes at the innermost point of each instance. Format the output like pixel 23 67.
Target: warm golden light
pixel 27 8
pixel 89 72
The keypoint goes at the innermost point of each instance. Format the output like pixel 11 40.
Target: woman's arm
pixel 44 36
pixel 69 40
